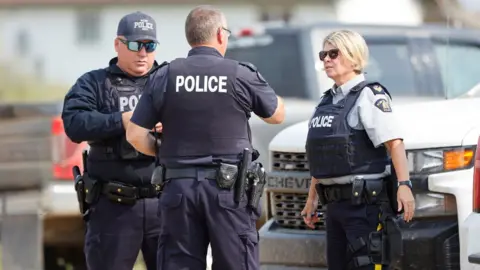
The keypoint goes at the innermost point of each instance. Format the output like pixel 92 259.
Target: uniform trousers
pixel 194 213
pixel 346 224
pixel 116 233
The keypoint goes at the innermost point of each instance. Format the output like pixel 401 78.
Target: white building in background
pixel 58 42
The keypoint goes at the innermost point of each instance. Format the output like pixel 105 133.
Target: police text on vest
pixel 202 83
pixel 322 121
pixel 128 103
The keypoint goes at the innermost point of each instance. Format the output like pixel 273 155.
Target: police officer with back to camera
pixel 349 136
pixel 122 204
pixel 212 185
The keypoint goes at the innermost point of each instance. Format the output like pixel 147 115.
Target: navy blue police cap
pixel 137 26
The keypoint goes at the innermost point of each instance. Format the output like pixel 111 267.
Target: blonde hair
pixel 352 46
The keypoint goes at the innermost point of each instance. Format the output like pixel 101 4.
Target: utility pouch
pixel 373 188
pixel 358 187
pixel 121 199
pixel 120 193
pixel 321 194
pixel 92 189
pixel 227 175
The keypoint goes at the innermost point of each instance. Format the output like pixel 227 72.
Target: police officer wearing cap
pixel 204 102
pixel 123 217
pixel 349 137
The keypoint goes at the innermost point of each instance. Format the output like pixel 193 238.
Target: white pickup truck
pixel 441 140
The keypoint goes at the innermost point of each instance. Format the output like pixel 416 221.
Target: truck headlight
pixel 434 205
pixel 428 161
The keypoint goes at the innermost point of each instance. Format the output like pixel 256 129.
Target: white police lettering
pixel 128 103
pixel 202 83
pixel 144 25
pixel 322 121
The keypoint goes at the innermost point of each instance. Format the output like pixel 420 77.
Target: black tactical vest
pixel 200 114
pixel 335 149
pixel 122 95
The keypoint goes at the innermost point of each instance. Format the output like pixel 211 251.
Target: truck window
pixel 458 67
pixel 389 63
pixel 277 58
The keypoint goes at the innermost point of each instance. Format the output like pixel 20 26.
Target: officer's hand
pixel 309 213
pixel 126 118
pixel 406 202
pixel 158 127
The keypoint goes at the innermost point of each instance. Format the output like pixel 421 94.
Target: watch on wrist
pixel 405 183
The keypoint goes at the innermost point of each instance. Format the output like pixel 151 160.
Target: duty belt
pixel 333 193
pixel 208 173
pixel 143 192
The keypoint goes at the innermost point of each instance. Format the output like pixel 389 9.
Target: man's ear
pixel 116 44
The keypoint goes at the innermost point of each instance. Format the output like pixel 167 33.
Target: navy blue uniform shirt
pixel 253 91
pixel 87 113
pixel 91 113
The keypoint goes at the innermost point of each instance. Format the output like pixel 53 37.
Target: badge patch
pixel 377 88
pixel 383 105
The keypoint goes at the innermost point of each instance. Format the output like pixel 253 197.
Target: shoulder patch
pixel 383 104
pixel 249 66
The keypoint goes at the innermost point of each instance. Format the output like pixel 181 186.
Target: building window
pixel 88 26
pixel 23 43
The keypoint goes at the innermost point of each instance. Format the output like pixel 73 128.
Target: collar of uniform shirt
pixel 204 50
pixel 346 87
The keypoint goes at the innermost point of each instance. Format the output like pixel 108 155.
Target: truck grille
pixel 286 211
pixel 289 161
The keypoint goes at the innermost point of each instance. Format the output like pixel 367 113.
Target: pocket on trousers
pixel 170 208
pixel 250 258
pixel 237 213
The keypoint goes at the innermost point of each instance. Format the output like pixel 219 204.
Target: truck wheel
pixel 64 258
pixel 50 257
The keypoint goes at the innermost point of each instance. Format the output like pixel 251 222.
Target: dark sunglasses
pixel 136 46
pixel 333 53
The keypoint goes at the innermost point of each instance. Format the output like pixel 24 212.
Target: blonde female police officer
pixel 349 135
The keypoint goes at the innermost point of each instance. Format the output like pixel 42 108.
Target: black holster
pixel 386 246
pixel 80 190
pixel 87 189
pixel 257 178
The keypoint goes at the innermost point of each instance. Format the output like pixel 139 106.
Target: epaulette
pixel 253 68
pixel 378 89
pixel 250 66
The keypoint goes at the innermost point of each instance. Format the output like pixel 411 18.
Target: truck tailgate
pixel 25 145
